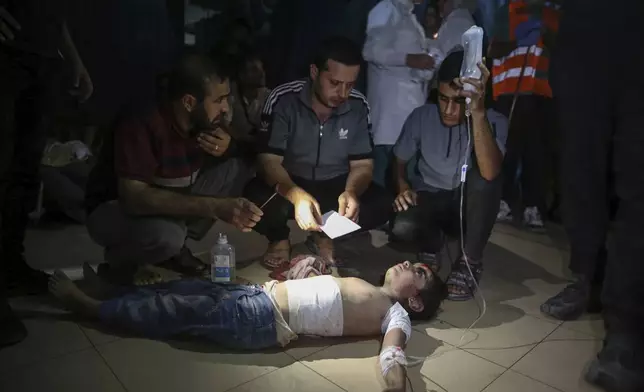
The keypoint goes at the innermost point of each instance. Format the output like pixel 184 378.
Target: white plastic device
pixel 472 42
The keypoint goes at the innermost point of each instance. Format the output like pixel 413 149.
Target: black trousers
pixel 375 204
pixel 602 124
pixel 438 214
pixel 529 137
pixel 27 86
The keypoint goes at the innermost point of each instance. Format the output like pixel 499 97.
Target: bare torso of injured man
pixel 257 317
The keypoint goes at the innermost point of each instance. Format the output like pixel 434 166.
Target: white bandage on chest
pixel 315 306
pixel 391 356
pixel 397 317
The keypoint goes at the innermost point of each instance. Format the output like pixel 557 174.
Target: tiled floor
pixel 513 348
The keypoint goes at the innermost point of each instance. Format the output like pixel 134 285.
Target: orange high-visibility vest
pixel 506 70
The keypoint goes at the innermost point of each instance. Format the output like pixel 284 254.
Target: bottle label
pixel 222 266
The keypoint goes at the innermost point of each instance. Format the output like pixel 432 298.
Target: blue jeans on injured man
pixel 231 315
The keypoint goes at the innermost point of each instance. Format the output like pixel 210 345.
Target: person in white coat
pixel 399 70
pixel 457 19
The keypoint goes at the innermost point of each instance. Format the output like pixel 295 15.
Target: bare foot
pixel 63 288
pixel 277 254
pixel 93 285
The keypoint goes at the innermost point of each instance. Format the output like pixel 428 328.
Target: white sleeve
pixel 397 317
pixel 450 36
pixel 379 46
pixel 379 15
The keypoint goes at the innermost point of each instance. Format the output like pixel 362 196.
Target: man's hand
pixel 240 213
pixel 82 87
pixel 215 143
pixel 307 210
pixel 349 205
pixel 405 200
pixel 477 95
pixel 420 61
pixel 8 26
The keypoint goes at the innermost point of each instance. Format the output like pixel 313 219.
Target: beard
pixel 324 101
pixel 200 122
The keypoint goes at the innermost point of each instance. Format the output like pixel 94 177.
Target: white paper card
pixel 336 226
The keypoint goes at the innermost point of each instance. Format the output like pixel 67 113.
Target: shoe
pixel 532 219
pixel 570 303
pixel 616 367
pixel 12 330
pixel 505 213
pixel 24 280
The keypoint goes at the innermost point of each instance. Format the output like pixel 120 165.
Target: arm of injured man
pixel 397 330
pixel 392 358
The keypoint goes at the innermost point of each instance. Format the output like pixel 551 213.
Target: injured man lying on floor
pixel 253 317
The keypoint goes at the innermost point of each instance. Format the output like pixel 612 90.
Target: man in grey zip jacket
pixel 317 154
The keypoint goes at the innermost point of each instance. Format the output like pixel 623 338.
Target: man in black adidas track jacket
pixel 317 154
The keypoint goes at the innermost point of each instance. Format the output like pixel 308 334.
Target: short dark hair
pixel 432 297
pixel 191 75
pixel 337 48
pixel 451 67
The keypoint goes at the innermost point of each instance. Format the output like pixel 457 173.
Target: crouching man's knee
pixel 162 241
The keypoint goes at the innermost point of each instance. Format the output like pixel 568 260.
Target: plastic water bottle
pixel 222 261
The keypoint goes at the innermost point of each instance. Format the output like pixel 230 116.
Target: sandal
pixel 276 257
pixel 432 260
pixel 280 273
pixel 148 275
pixel 313 247
pixel 460 283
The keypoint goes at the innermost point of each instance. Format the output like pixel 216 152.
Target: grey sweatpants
pixel 131 239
